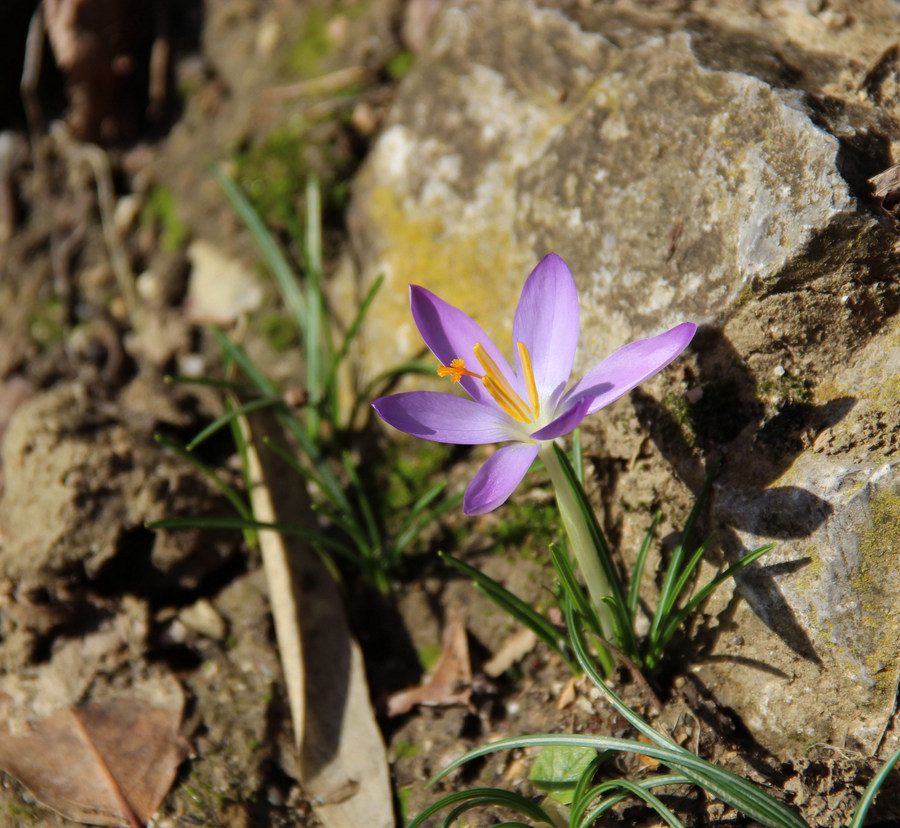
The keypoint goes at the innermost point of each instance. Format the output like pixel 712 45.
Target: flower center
pixel 497 385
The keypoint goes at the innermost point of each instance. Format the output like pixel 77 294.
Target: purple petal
pixel 497 478
pixel 546 322
pixel 443 418
pixel 451 334
pixel 629 367
pixel 566 421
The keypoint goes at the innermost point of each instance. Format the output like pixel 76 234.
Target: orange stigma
pixel 456 371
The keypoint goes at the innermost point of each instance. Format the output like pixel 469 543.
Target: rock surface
pixel 687 167
pixel 831 593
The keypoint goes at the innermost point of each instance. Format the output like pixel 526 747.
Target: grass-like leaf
pixel 639 791
pixel 325 478
pixel 662 639
pixel 417 517
pixel 637 573
pixel 723 784
pixel 862 807
pixel 480 798
pixel 229 417
pixel 315 353
pixel 271 252
pixel 668 594
pixel 234 497
pixel 523 612
pixel 318 539
pixel 586 809
pixel 351 333
pixel 719 782
pixel 571 588
pixel 335 512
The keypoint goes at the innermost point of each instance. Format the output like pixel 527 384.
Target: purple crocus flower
pixel 531 405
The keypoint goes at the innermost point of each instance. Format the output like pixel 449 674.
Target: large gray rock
pixel 684 172
pixel 673 190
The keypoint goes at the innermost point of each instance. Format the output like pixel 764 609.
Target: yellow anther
pixel 499 388
pixel 528 371
pixel 512 405
pixel 497 385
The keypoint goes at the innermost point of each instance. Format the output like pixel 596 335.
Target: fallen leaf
pixel 343 761
pixel 451 681
pixel 102 764
pixel 649 761
pixel 514 649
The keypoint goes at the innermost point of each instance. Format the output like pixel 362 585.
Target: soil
pixel 97 307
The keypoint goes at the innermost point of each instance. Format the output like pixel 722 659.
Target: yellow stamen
pixel 499 388
pixel 528 371
pixel 497 385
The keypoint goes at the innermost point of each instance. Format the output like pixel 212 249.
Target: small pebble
pixel 203 618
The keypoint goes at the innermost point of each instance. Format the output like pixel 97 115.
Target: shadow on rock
pixel 724 417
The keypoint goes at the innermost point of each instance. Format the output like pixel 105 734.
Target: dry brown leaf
pixel 514 649
pixel 343 761
pixel 649 761
pixel 101 764
pixel 451 681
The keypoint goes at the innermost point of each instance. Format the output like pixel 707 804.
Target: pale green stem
pixel 579 539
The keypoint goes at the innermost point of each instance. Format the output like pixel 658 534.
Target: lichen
pixel 888 395
pixel 466 270
pixel 879 546
pixel 879 551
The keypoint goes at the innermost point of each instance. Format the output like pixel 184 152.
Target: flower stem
pixel 580 540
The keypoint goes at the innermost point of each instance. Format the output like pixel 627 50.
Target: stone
pixel 203 618
pixel 830 593
pixel 672 190
pixel 687 166
pixel 221 288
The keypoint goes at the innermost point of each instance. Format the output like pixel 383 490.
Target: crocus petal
pixel 443 418
pixel 497 478
pixel 565 422
pixel 629 367
pixel 546 322
pixel 452 334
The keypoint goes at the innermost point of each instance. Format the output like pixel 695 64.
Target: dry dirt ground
pixel 98 304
